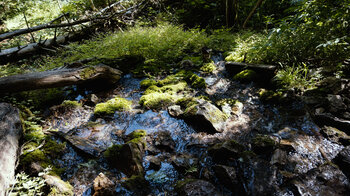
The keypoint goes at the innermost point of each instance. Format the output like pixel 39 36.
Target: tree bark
pixel 10 133
pixel 65 76
pixel 258 3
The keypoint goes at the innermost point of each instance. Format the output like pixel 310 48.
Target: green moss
pixel 157 97
pixel 208 68
pixel 68 188
pixel 270 96
pixel 248 155
pixel 53 149
pixel 197 81
pixel 157 100
pixel 138 133
pixel 245 75
pixel 113 152
pixel 186 102
pixel 115 104
pixel 147 83
pixel 87 72
pixel 70 104
pixel 34 133
pixel 34 156
pixel 263 141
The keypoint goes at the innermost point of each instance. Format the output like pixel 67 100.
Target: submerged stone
pixel 195 187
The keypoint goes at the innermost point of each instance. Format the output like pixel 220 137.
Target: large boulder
pixel 10 133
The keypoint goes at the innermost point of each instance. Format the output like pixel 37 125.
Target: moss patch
pixel 157 97
pixel 113 105
pixel 147 83
pixel 208 68
pixel 86 73
pixel 270 96
pixel 70 104
pixel 246 75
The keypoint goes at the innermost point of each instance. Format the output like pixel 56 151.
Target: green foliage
pixel 162 46
pixel 26 185
pixel 112 105
pixel 296 78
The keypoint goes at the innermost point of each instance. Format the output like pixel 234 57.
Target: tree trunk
pixel 65 76
pixel 10 133
pixel 258 3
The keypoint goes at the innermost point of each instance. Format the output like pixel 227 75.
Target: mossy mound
pixel 158 97
pixel 263 144
pixel 147 83
pixel 246 76
pixel 208 68
pixel 270 96
pixel 112 105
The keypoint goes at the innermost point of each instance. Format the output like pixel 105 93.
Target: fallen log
pixel 58 78
pixel 10 133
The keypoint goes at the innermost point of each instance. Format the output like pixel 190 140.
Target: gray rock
pixel 175 110
pixel 10 133
pixel 103 186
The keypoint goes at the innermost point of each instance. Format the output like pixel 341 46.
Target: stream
pixel 296 163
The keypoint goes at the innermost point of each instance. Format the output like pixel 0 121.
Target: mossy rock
pixel 223 152
pixel 263 144
pixel 197 81
pixel 271 96
pixel 228 101
pixel 138 184
pixel 208 68
pixel 137 137
pixel 181 183
pixel 147 83
pixel 113 105
pixel 246 76
pixel 158 97
pixel 70 104
pixel 234 57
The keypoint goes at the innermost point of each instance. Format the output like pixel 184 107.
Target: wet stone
pixel 228 177
pixel 103 186
pixel 183 163
pixel 325 180
pixel 226 151
pixel 163 141
pixel 343 161
pixel 335 135
pixel 196 187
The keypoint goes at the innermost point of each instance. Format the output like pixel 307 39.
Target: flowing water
pixel 83 159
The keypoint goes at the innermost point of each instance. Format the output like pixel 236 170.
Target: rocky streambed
pixel 197 134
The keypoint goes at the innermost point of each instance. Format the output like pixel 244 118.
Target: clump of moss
pixel 270 96
pixel 137 137
pixel 246 75
pixel 147 83
pixel 87 72
pixel 70 104
pixel 186 102
pixel 112 105
pixel 208 68
pixel 157 97
pixel 112 152
pixel 197 81
pixel 53 149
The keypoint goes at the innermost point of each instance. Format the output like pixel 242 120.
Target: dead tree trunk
pixel 58 78
pixel 258 3
pixel 10 133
